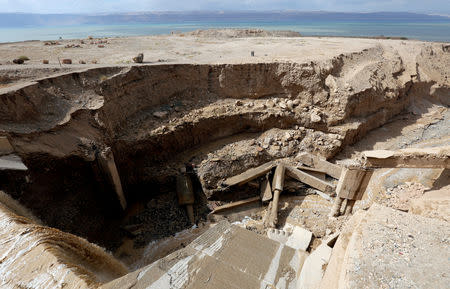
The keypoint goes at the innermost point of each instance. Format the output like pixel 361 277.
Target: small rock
pixel 45 61
pixel 238 103
pixel 160 114
pixel 94 61
pixel 268 140
pixel 101 46
pixel 18 61
pixel 290 104
pixel 296 102
pixel 270 103
pixel 282 104
pixel 250 104
pixel 260 149
pixel 82 62
pixel 66 61
pixel 139 58
pixel 315 117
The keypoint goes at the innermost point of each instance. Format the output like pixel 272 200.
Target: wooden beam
pixel 234 205
pixel 320 174
pixel 438 157
pixel 319 163
pixel 265 191
pixel 249 175
pixel 310 180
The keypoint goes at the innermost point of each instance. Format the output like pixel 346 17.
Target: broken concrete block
pixel 299 238
pixel 278 235
pixel 310 180
pixel 249 175
pixel 314 268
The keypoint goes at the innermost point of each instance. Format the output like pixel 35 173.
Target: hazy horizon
pixel 134 6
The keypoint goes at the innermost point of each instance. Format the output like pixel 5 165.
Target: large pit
pixel 219 120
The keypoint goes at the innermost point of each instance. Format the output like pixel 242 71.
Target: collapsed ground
pixel 219 119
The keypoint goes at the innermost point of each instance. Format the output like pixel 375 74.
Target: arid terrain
pixel 91 155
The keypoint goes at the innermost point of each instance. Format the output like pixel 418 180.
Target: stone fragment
pixel 315 117
pixel 139 58
pixel 160 114
pixel 290 104
pixel 66 61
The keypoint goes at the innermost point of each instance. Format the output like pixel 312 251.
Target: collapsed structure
pixel 124 156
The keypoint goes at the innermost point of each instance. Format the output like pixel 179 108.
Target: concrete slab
pixel 12 162
pixel 225 256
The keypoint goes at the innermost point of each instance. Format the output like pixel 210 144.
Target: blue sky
pixel 98 6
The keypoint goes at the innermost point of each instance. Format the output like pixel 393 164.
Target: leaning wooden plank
pixel 108 166
pixel 234 205
pixel 331 169
pixel 438 157
pixel 266 191
pixel 249 175
pixel 319 163
pixel 310 180
pixel 349 183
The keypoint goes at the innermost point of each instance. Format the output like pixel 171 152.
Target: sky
pixel 111 6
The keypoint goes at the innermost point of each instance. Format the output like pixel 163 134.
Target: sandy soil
pixel 177 49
